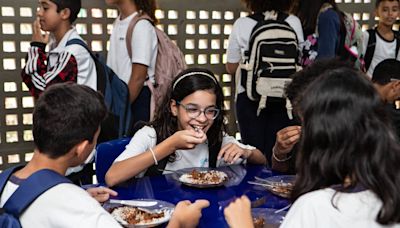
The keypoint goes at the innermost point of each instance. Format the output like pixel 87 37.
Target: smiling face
pixel 388 12
pixel 48 15
pixel 201 99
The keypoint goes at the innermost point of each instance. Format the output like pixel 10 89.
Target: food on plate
pixel 210 177
pixel 282 189
pixel 136 216
pixel 259 222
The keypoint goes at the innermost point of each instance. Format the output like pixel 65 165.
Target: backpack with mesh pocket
pixel 169 63
pixel 270 60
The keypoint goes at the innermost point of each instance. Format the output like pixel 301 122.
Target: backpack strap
pixel 131 27
pixel 397 37
pixel 101 83
pixel 369 53
pixel 31 188
pixel 5 175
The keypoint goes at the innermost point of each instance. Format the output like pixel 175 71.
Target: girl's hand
pixel 231 152
pixel 37 33
pixel 238 213
pixel 101 194
pixel 286 138
pixel 188 139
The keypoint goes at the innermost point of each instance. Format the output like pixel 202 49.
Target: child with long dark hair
pixel 187 132
pixel 348 172
pixel 323 18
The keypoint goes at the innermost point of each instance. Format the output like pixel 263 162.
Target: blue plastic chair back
pixel 106 153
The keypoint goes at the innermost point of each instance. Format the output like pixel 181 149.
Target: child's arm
pixel 238 213
pixel 101 194
pixel 286 138
pixel 124 170
pixel 233 150
pixel 36 75
pixel 186 214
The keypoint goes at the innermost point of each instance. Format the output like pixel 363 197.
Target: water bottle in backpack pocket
pixel 270 60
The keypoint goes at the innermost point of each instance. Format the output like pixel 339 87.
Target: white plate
pixel 183 176
pixel 271 218
pixel 145 204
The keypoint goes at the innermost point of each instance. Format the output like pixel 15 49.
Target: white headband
pixel 193 73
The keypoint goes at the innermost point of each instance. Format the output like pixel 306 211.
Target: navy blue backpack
pixel 116 97
pixel 26 193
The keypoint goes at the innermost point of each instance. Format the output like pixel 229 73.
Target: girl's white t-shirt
pixel 144 48
pixel 146 138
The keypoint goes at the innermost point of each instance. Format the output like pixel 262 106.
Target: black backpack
pixel 369 53
pixel 270 60
pixel 36 184
pixel 116 96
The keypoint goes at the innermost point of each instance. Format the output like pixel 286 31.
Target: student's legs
pixel 260 131
pixel 141 109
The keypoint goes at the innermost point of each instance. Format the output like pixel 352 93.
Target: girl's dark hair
pixel 147 6
pixel 379 2
pixel 259 6
pixel 166 124
pixel 307 11
pixel 346 133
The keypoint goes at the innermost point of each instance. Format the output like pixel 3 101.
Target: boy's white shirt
pixel 86 67
pixel 383 50
pixel 144 48
pixel 63 206
pixel 145 138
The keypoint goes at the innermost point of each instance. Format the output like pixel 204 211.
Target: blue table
pixel 167 188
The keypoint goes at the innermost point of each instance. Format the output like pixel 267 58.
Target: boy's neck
pixel 41 161
pixel 60 32
pixel 126 8
pixel 384 29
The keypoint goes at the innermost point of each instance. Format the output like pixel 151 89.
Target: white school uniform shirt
pixel 315 210
pixel 144 48
pixel 87 74
pixel 384 49
pixel 62 206
pixel 240 36
pixel 146 138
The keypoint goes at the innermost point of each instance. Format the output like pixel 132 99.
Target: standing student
pixel 348 164
pixel 323 18
pixel 187 132
pixel 66 124
pixel 62 63
pixel 141 67
pixel 257 130
pixel 386 40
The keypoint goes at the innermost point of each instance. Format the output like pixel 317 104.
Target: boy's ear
pixel 174 107
pixel 65 13
pixel 81 149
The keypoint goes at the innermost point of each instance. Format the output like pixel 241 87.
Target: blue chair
pixel 106 153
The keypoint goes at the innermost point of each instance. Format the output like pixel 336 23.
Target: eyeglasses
pixel 193 111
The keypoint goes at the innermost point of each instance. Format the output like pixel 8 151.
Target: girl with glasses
pixel 187 132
